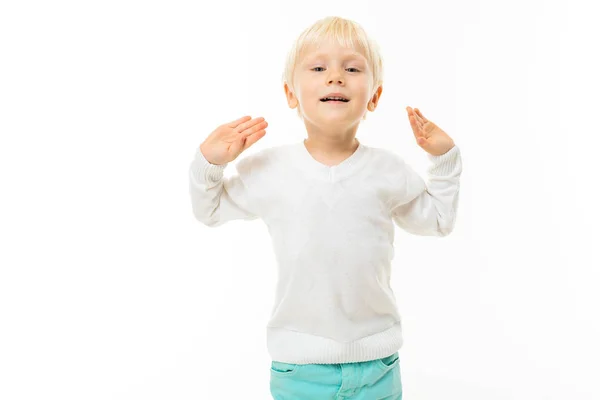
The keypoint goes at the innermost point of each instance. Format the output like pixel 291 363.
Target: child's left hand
pixel 429 136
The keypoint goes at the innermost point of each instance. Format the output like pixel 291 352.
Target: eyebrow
pixel 346 56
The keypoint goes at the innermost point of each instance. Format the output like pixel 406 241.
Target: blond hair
pixel 346 33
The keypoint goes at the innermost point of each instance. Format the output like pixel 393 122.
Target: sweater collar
pixel 330 173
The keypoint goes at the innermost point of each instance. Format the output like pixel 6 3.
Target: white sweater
pixel 332 229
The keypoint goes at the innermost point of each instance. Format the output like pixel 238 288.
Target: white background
pixel 110 289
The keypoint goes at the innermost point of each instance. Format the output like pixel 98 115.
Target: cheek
pixel 309 94
pixel 310 89
pixel 365 95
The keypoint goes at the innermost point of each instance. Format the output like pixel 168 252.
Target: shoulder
pixel 259 160
pixel 394 169
pixel 387 160
pixel 401 183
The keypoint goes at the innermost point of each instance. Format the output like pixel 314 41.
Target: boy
pixel 330 204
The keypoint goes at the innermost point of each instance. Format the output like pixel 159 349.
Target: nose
pixel 335 76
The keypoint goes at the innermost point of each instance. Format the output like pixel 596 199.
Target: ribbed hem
pixel 205 171
pixel 444 164
pixel 302 348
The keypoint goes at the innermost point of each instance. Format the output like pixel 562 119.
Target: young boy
pixel 330 204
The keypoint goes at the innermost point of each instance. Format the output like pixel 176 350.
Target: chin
pixel 341 117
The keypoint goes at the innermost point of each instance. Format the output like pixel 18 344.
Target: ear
pixel 375 99
pixel 291 98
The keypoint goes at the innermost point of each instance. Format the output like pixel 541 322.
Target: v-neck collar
pixel 331 173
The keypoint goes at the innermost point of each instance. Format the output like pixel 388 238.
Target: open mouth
pixel 326 100
pixel 334 100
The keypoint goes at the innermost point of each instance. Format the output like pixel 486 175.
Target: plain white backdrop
pixel 110 289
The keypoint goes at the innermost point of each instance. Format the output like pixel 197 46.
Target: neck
pixel 331 142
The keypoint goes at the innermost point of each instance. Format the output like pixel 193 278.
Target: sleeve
pixel 429 209
pixel 217 199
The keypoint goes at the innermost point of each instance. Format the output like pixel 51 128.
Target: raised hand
pixel 429 136
pixel 229 140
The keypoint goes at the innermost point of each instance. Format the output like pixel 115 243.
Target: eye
pixel 355 69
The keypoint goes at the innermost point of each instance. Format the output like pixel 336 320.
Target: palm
pixel 430 137
pixel 229 140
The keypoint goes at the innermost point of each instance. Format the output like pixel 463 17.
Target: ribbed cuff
pixel 210 172
pixel 444 164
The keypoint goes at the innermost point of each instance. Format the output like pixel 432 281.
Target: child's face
pixel 327 69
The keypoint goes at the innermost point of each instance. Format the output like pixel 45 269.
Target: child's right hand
pixel 229 140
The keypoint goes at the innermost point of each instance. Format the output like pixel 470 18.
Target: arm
pixel 216 199
pixel 429 209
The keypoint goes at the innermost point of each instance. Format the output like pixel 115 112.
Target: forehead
pixel 331 50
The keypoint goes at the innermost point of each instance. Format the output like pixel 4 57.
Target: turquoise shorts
pixel 368 380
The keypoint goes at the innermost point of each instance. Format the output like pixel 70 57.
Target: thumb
pixel 424 143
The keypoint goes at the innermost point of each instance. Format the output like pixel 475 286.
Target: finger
pixel 420 115
pixel 249 130
pixel 415 126
pixel 255 128
pixel 249 124
pixel 412 113
pixel 251 139
pixel 418 118
pixel 235 123
pixel 419 121
pixel 414 120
